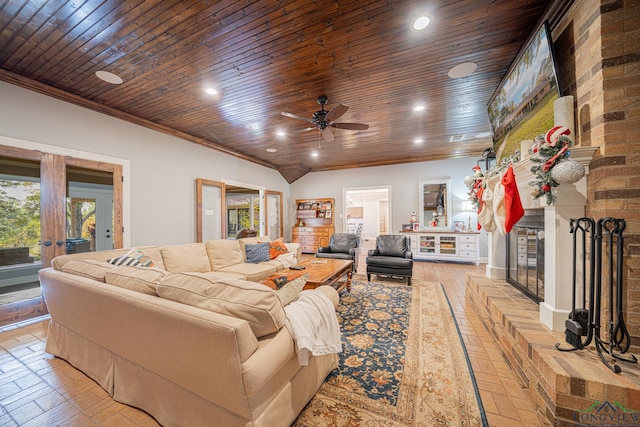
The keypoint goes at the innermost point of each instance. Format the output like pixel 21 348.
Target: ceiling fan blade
pixel 327 135
pixel 336 112
pixel 295 116
pixel 350 126
pixel 306 129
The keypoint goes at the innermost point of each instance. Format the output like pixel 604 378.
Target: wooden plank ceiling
pixel 266 57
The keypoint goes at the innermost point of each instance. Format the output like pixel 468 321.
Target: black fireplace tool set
pixel 583 325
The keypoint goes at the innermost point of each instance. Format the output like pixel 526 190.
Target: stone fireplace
pixel 571 203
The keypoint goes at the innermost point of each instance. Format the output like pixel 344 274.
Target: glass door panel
pixel 20 255
pixel 275 226
pixel 448 245
pixel 89 217
pixel 427 245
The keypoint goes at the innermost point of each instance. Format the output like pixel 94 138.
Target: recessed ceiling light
pixel 421 23
pixel 109 77
pixel 463 70
pixel 281 133
pixel 271 150
pixel 418 141
pixel 419 107
pixel 211 91
pixel 314 154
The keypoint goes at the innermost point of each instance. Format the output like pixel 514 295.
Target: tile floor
pixel 37 389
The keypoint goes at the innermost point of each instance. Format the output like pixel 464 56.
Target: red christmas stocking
pixel 513 206
pixel 481 204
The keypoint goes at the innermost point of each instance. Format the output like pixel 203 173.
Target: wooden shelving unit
pixel 314 223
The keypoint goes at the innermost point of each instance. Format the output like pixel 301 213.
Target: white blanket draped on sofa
pixel 312 322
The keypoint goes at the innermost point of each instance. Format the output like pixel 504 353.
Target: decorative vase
pixel 567 172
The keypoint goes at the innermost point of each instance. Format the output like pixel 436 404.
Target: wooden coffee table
pixel 327 271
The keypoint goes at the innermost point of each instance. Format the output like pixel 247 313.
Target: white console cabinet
pixel 442 246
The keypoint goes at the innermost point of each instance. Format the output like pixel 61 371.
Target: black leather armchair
pixel 391 257
pixel 341 246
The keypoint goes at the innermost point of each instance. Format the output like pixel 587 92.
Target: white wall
pixel 163 168
pixel 403 180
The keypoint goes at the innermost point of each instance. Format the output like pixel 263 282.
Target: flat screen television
pixel 522 105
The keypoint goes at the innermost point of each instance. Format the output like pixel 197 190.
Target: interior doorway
pixel 367 211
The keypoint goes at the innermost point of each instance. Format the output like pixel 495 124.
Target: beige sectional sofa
pixel 191 341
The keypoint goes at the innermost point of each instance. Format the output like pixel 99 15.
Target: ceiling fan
pixel 324 119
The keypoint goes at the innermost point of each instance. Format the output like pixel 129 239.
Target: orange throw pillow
pixel 277 248
pixel 277 281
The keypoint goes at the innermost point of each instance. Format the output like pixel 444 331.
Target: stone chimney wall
pixel 597 47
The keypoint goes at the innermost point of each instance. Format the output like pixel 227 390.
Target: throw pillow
pixel 133 258
pixel 287 286
pixel 278 280
pixel 257 253
pixel 277 248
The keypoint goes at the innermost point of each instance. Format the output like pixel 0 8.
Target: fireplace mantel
pixel 571 201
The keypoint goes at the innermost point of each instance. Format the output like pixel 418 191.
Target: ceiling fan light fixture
pixel 109 77
pixel 420 23
pixel 463 69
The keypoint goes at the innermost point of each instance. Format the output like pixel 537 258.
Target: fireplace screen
pixel 525 257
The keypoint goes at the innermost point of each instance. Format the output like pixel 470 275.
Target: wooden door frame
pixel 200 182
pixel 53 215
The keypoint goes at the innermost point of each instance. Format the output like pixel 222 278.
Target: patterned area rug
pixel 403 362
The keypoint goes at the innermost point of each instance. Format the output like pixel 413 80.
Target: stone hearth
pixel 569 388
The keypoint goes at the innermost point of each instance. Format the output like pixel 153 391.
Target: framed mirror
pixel 435 207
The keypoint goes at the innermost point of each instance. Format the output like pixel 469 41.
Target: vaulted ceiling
pixel 266 57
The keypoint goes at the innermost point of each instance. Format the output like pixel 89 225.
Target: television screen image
pixel 522 106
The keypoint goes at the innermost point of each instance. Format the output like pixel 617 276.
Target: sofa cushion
pixel 139 279
pixel 252 272
pixel 224 252
pixel 287 285
pixel 186 257
pixel 277 248
pixel 88 268
pixel 257 253
pixel 253 302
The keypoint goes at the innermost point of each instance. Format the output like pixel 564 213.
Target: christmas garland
pixel 474 184
pixel 550 149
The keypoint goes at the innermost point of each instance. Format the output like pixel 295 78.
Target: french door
pixel 52 205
